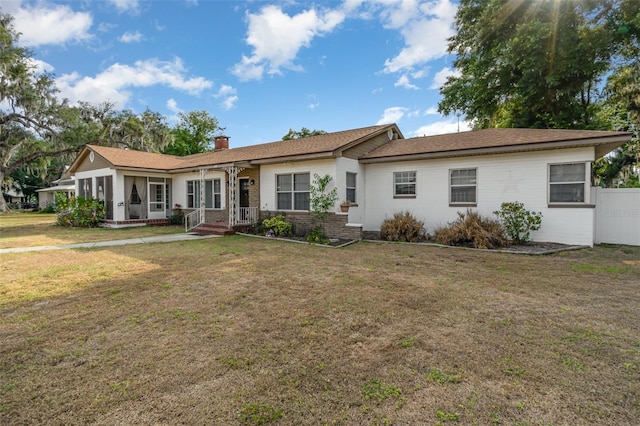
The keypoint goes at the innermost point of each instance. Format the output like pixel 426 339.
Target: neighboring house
pixel 376 168
pixel 65 185
pixel 13 196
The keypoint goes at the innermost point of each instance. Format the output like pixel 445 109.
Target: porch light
pixel 252 182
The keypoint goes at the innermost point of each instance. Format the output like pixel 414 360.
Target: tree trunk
pixel 3 204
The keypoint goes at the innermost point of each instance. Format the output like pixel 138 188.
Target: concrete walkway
pixel 144 240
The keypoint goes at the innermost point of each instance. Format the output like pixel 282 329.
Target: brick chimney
pixel 221 142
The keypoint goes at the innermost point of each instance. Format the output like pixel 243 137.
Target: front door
pixel 243 201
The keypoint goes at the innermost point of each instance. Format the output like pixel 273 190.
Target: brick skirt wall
pixel 107 223
pixel 335 225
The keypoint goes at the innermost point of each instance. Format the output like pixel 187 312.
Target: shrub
pixel 473 230
pixel 316 236
pixel 518 222
pixel 177 218
pixel 280 227
pixel 403 227
pixel 79 211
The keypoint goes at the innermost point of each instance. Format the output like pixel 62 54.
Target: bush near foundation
pixel 518 221
pixel 473 230
pixel 279 226
pixel 79 212
pixel 402 227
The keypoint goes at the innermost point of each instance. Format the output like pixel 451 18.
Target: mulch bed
pixel 532 248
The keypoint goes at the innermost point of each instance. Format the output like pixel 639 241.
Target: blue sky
pixel 260 67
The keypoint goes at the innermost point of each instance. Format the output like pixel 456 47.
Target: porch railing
pixel 193 219
pixel 247 215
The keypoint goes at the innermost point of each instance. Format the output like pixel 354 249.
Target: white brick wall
pixel 500 178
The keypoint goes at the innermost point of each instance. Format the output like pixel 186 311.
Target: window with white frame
pixel 404 184
pixel 351 187
pixel 463 186
pixel 84 188
pixel 292 191
pixel 567 182
pixel 212 194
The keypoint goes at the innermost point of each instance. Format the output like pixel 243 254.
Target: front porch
pixel 243 216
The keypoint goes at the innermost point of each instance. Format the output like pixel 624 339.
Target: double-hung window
pixel 212 194
pixel 463 186
pixel 404 184
pixel 351 187
pixel 292 191
pixel 567 182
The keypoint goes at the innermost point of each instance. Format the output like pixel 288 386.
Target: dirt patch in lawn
pixel 241 330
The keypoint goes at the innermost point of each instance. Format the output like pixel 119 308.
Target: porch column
pixel 233 172
pixel 203 194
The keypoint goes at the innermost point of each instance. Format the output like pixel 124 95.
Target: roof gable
pixel 123 158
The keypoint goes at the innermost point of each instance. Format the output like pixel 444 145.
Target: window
pixel 462 186
pixel 135 197
pixel 292 191
pixel 212 194
pixel 567 182
pixel 351 187
pixel 404 184
pixel 84 188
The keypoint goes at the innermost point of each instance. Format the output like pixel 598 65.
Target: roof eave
pixel 140 169
pixel 217 166
pixel 606 145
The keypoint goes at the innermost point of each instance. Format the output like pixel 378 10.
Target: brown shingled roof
pixel 136 159
pixel 321 146
pixel 494 141
pixel 326 145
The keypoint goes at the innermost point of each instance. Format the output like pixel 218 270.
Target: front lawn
pixel 240 330
pixel 28 229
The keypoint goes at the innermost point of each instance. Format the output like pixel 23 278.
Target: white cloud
pixel 105 27
pixel 44 24
pixel 425 28
pixel 413 114
pixel 277 38
pixel 392 115
pixel 431 111
pixel 229 102
pixel 131 37
pixel 442 127
pixel 441 77
pixel 40 66
pixel 313 105
pixel 172 105
pixel 229 94
pixel 396 14
pixel 403 81
pixel 126 5
pixel 114 83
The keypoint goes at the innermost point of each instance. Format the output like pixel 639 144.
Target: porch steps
pixel 213 229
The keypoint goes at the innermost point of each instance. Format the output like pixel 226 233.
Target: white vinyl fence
pixel 617 215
